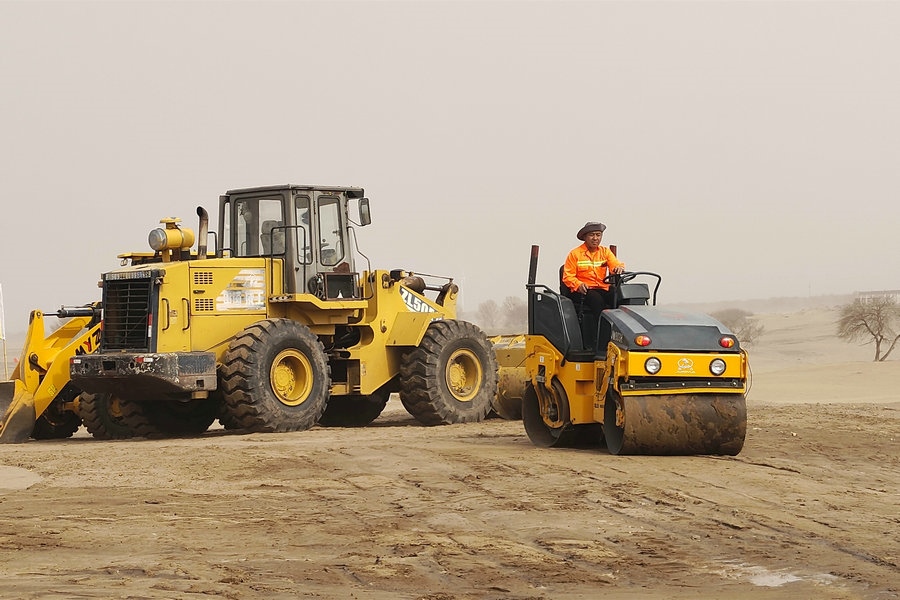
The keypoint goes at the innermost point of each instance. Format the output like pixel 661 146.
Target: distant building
pixel 867 297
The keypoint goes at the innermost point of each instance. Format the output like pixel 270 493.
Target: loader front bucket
pixel 510 353
pixel 17 407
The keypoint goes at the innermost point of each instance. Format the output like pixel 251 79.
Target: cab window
pixel 260 226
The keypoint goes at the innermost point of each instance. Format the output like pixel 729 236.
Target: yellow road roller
pixel 641 378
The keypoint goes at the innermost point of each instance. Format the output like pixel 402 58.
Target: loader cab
pixel 304 229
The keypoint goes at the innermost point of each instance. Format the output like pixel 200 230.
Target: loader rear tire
pixel 451 377
pixel 275 377
pixel 226 419
pixel 355 410
pixel 106 417
pixel 180 418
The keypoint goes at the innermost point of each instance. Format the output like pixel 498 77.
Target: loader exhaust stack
pixel 203 233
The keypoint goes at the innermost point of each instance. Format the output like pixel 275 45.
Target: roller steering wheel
pixel 620 278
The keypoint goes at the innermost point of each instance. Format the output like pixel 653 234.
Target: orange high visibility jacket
pixel 589 268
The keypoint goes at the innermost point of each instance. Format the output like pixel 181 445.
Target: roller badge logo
pixel 414 303
pixel 685 365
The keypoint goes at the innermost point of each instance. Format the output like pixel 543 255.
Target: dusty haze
pixel 740 149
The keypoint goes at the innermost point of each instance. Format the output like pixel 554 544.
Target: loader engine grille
pixel 203 277
pixel 204 305
pixel 126 313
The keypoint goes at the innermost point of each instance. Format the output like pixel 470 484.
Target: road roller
pixel 639 378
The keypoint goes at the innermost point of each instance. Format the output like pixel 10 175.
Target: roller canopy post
pixel 532 267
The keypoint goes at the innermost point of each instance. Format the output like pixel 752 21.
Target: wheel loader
pixel 644 379
pixel 275 329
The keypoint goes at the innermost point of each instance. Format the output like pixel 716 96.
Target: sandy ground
pixel 809 509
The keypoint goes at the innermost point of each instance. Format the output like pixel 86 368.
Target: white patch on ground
pixel 14 478
pixel 763 577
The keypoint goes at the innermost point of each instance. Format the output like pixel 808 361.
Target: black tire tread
pixel 56 422
pixel 94 412
pixel 423 390
pixel 242 374
pixel 354 410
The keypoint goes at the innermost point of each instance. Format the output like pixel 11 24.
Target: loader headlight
pixel 717 366
pixel 652 365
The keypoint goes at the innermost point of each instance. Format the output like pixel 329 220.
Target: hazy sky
pixel 739 149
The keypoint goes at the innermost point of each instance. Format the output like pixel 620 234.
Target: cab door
pixel 324 260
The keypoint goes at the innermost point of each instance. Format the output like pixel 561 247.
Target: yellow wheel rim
pixel 292 377
pixel 114 407
pixel 464 375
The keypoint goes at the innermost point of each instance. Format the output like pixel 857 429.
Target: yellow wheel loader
pixel 644 379
pixel 39 400
pixel 275 329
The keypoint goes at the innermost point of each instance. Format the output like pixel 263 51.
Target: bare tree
pixel 515 315
pixel 741 323
pixel 872 320
pixel 510 317
pixel 488 316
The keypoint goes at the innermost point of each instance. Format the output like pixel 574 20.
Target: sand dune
pixel 799 358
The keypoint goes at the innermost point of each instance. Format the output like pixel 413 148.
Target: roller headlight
pixel 652 365
pixel 717 366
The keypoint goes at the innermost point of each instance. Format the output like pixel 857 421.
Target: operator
pixel 588 265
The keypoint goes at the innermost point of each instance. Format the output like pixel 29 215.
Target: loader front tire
pixel 451 377
pixel 58 426
pixel 275 378
pixel 57 422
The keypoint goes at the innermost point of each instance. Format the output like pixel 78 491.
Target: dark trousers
pixel 599 300
pixel 589 306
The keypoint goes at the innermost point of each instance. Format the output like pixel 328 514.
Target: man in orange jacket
pixel 588 265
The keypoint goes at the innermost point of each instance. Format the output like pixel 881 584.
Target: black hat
pixel 589 227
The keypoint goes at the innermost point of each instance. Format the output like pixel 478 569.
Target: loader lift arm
pixel 41 378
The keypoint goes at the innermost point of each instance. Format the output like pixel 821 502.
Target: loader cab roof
pixel 350 192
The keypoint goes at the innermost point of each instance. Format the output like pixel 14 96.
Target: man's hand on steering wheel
pixel 619 275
